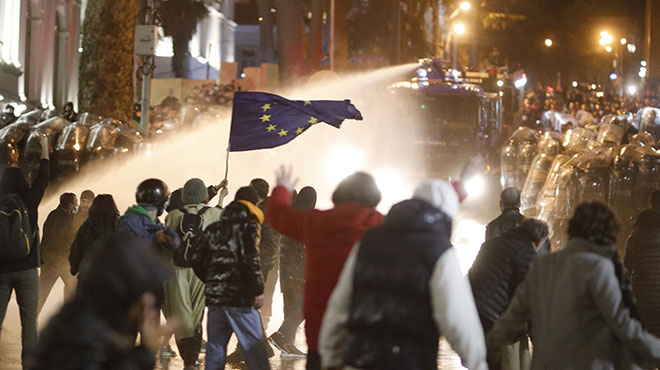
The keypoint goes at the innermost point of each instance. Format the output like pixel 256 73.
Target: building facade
pixel 40 49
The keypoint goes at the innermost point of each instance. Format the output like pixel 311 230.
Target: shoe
pixel 167 352
pixel 235 358
pixel 291 351
pixel 277 340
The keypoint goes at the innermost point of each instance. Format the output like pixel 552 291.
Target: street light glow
pixel 643 63
pixel 574 84
pixel 500 83
pixel 465 6
pixel 631 48
pixel 548 42
pixel 605 38
pixel 623 41
pixel 459 28
pixel 632 89
pixel 608 48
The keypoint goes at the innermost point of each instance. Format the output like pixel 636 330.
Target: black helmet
pixel 152 192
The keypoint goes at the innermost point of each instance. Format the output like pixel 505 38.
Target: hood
pixel 241 211
pixel 441 194
pixel 139 211
pixel 583 245
pixel 13 181
pixel 123 271
pixel 417 215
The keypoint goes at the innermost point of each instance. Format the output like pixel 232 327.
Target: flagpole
pixel 227 163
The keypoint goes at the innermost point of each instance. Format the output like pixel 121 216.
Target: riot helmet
pixel 154 193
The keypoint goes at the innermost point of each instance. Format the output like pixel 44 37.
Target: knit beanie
pixel 194 191
pixel 441 194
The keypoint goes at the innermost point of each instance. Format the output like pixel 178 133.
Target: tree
pixel 179 20
pixel 106 61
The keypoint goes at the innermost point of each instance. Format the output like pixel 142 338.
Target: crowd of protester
pixel 375 291
pixel 596 102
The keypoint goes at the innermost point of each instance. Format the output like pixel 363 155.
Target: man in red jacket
pixel 329 237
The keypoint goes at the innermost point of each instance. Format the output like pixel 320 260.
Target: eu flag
pixel 261 120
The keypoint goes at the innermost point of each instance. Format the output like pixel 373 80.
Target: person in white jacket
pixel 401 289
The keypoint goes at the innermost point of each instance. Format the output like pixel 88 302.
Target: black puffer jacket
pixel 642 261
pixel 509 219
pixel 269 248
pixel 500 266
pixel 391 322
pixel 227 256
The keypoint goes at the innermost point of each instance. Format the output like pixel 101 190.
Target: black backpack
pixel 189 230
pixel 15 242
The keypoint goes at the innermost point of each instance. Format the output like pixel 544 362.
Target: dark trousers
pixel 50 272
pixel 266 310
pixel 26 285
pixel 313 361
pixel 293 316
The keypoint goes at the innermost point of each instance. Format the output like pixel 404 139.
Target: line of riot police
pixel 91 137
pixel 563 163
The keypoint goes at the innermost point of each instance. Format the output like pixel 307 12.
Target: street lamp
pixel 459 29
pixel 548 42
pixel 623 41
pixel 465 6
pixel 608 48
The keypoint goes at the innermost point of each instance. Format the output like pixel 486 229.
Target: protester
pixel 500 266
pixel 292 280
pixel 176 202
pixel 578 303
pixel 510 217
pixel 227 261
pixel 142 219
pixel 269 250
pixel 102 221
pixel 86 200
pixel 642 260
pixel 59 233
pixel 117 297
pixel 184 292
pixel 8 116
pixel 402 287
pixel 328 237
pixel 19 272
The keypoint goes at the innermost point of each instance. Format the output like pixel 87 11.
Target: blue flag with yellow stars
pixel 261 120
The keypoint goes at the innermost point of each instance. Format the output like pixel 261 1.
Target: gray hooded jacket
pixel 573 300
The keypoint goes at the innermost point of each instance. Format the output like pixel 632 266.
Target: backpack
pixel 189 230
pixel 15 241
